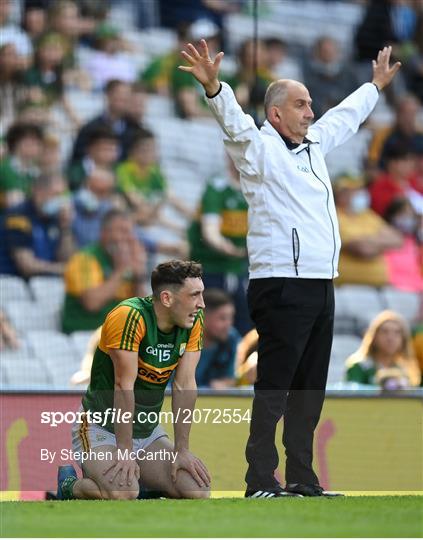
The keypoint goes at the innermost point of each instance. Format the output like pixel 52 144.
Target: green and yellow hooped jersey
pixel 132 326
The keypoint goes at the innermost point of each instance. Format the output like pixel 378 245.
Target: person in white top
pixel 293 247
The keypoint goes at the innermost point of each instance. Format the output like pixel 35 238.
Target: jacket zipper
pixel 327 207
pixel 295 249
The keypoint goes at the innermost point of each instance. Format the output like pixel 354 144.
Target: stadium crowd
pixel 92 193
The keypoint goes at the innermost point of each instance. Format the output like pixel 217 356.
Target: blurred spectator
pixel 217 239
pixel 399 180
pixel 45 76
pixel 278 61
pixel 404 133
pixel 102 149
pixel 114 117
pixel 365 236
pixel 98 277
pixel 109 61
pixel 250 87
pixel 11 33
pixel 389 22
pixel 50 161
pixel 173 14
pixel 12 91
pixel 137 103
pixel 34 19
pixel 8 337
pixel 19 168
pixel 38 232
pixel 404 263
pixel 141 180
pixel 385 356
pixel 216 367
pixel 414 63
pixel 187 93
pixel 64 20
pixel 327 76
pixel 92 202
pixel 157 75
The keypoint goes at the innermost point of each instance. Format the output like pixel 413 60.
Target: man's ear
pixel 166 298
pixel 274 115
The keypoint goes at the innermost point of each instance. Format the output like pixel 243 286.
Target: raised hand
pixel 202 67
pixel 382 72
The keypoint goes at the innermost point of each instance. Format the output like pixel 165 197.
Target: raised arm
pixel 242 138
pixel 341 122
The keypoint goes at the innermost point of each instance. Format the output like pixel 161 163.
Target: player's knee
pixel 195 493
pixel 122 495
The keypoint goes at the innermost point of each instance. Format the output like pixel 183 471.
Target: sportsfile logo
pixel 153 374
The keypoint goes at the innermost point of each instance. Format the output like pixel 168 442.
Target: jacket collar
pixel 268 129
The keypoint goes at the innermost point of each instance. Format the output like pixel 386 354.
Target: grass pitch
pixel 351 516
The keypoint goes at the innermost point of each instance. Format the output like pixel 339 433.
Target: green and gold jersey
pixel 223 199
pixel 132 326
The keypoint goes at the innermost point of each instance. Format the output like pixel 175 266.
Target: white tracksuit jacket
pixel 292 224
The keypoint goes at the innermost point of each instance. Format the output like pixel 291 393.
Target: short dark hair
pixel 111 215
pixel 216 298
pixel 173 273
pixel 100 133
pixel 17 132
pixel 139 136
pixel 395 152
pixel 112 84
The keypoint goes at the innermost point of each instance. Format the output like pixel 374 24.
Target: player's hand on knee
pixel 122 472
pixel 187 461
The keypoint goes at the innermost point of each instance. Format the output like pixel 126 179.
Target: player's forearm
pixel 67 245
pixel 184 397
pixel 124 401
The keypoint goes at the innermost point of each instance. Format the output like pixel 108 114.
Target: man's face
pixel 407 113
pixel 47 199
pixel 117 232
pixel 293 117
pixel 137 105
pixel 29 148
pixel 145 152
pixel 119 99
pixel 4 11
pixel 218 322
pixel 104 152
pixel 186 301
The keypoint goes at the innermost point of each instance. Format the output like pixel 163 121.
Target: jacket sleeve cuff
pixel 216 94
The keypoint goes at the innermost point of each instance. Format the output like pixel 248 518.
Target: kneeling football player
pixel 144 341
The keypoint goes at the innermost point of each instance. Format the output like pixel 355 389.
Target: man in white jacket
pixel 293 246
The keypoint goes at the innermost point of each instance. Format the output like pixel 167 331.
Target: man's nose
pixel 309 113
pixel 201 304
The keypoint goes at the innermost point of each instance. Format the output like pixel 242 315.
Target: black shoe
pixel 310 490
pixel 269 494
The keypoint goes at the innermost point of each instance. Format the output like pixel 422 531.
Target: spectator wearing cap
pixel 38 234
pixel 365 236
pixel 399 180
pixel 20 166
pixel 109 60
pixel 115 118
pixel 102 152
pixel 216 368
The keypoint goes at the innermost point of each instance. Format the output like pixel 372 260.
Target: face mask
pixel 360 202
pixel 52 207
pixel 88 200
pixel 406 224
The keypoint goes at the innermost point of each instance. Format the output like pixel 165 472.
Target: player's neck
pixel 164 323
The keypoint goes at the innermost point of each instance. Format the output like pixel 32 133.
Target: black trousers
pixel 294 320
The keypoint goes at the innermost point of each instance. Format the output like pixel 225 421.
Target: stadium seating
pixel 342 347
pixel 13 289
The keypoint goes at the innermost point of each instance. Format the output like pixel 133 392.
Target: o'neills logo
pixel 153 374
